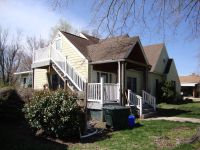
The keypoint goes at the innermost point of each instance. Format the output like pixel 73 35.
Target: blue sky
pixel 37 18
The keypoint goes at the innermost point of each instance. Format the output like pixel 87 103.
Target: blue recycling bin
pixel 131 121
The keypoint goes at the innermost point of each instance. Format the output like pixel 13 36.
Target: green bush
pixel 56 113
pixel 11 104
pixel 167 92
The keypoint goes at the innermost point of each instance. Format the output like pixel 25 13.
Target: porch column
pixel 119 81
pixel 145 76
pixel 123 83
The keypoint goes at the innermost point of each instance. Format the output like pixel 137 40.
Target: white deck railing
pixel 135 100
pixel 103 92
pixel 111 92
pixel 149 99
pixel 50 53
pixel 41 54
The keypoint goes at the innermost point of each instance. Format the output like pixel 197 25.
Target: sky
pixel 35 18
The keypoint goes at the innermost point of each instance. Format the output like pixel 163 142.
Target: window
pixel 58 44
pixel 132 84
pixel 106 76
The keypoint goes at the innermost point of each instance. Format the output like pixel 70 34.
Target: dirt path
pixel 180 119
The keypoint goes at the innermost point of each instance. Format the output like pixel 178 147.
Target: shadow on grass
pixel 163 112
pixel 106 134
pixel 14 136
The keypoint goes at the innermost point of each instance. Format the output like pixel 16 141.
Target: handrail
pixel 68 70
pixel 61 62
pixel 103 92
pixel 135 100
pixel 149 99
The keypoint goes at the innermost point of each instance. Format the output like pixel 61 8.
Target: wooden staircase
pixel 147 111
pixel 145 105
pixel 66 72
pixel 62 76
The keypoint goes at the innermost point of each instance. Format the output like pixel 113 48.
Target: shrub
pixel 11 104
pixel 56 113
pixel 167 92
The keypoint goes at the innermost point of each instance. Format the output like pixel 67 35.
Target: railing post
pixel 128 99
pixel 154 103
pixel 102 92
pixel 140 107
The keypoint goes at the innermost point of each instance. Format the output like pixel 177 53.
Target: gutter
pixel 106 61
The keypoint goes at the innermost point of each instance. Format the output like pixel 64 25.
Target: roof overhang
pixel 23 72
pixel 106 61
pixel 188 84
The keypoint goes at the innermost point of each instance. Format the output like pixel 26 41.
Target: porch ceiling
pixel 107 67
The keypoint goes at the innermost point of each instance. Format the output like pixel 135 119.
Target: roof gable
pixel 154 54
pixel 79 42
pixel 137 54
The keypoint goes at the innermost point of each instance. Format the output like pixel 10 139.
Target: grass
pixel 152 135
pixel 190 109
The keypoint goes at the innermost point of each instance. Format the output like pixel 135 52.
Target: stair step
pixel 144 111
pixel 148 115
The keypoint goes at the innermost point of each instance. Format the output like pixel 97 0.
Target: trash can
pixel 131 121
pixel 116 117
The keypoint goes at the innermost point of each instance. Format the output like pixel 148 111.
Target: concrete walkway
pixel 180 119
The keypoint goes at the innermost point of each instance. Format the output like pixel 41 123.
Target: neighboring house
pixel 163 68
pixel 24 79
pixel 190 85
pixel 114 70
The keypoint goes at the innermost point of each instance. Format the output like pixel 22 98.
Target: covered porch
pixel 109 82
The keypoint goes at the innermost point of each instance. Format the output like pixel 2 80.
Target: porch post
pixel 102 93
pixel 123 84
pixel 145 79
pixel 119 81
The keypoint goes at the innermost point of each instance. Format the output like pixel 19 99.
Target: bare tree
pixel 9 58
pixel 32 43
pixel 63 26
pixel 121 16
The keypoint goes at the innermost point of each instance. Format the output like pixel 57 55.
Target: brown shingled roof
pixel 152 53
pixel 79 42
pixel 91 38
pixel 114 48
pixel 190 79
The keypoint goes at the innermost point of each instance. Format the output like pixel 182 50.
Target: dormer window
pixel 58 44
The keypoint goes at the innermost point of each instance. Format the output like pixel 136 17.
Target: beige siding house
pixel 114 70
pixel 162 68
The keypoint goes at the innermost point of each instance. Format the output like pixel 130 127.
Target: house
pixel 113 70
pixel 163 68
pixel 24 79
pixel 190 85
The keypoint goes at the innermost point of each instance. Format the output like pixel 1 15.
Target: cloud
pixel 32 18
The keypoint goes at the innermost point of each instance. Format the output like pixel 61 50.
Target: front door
pixel 132 84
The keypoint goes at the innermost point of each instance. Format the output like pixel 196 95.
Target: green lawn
pixel 191 109
pixel 152 135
